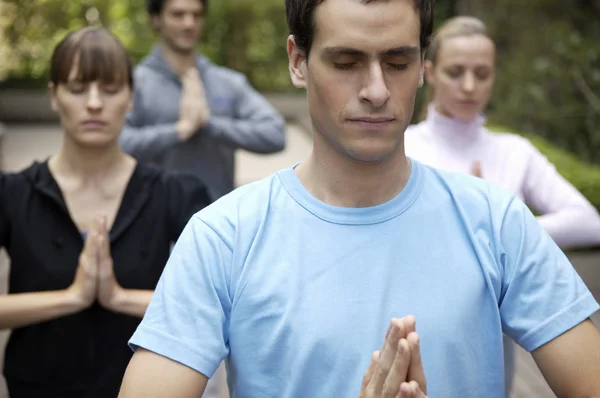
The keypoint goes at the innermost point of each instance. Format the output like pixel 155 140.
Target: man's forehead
pixel 196 5
pixel 365 27
pixel 355 43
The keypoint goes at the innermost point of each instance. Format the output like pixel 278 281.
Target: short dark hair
pixel 99 54
pixel 300 19
pixel 155 7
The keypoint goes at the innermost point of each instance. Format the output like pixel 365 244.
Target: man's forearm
pixel 260 136
pixel 149 141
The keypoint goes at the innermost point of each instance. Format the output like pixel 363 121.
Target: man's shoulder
pixel 221 78
pixel 473 194
pixel 218 71
pixel 246 206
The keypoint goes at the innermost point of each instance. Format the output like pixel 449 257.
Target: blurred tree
pixel 548 52
pixel 30 29
pixel 548 70
pixel 250 36
pixel 469 7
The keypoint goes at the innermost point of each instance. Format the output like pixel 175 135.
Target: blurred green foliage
pixel 548 70
pixel 548 53
pixel 29 30
pixel 245 35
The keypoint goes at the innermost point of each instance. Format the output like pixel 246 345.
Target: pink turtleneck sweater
pixel 511 162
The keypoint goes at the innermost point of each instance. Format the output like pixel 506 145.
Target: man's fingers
pixel 387 355
pixel 410 324
pixel 416 371
pixel 405 391
pixel 192 82
pixel 187 79
pixel 398 372
pixel 371 370
pixel 410 390
pixel 190 74
pixel 417 389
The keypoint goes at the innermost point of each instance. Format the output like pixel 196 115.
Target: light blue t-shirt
pixel 296 294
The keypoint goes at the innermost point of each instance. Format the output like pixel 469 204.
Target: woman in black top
pixel 88 233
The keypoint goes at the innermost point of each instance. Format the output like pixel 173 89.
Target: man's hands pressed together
pixel 396 371
pixel 194 112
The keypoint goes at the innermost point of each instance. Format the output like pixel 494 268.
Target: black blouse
pixel 84 354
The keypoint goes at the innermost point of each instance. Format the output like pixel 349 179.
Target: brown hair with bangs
pixel 97 54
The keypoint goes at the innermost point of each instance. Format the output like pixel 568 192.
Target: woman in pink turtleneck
pixel 460 71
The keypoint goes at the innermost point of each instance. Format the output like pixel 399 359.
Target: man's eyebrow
pixel 409 51
pixel 329 51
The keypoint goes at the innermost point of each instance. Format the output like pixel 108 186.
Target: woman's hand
pixel 109 290
pixel 85 285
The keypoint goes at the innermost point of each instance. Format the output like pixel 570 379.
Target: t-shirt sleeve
pixel 188 317
pixel 542 294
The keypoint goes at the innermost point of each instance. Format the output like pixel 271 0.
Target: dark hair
pixel 155 7
pixel 99 55
pixel 300 20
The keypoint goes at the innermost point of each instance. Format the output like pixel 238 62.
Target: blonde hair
pixel 454 27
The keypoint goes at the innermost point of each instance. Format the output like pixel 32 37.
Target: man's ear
pixel 155 22
pixel 297 63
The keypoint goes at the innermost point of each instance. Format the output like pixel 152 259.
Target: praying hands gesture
pixel 109 291
pixel 94 281
pixel 396 371
pixel 476 169
pixel 193 106
pixel 95 278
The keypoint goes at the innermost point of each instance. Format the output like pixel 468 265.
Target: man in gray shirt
pixel 189 113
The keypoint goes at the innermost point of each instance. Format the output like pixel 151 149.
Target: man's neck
pixel 344 182
pixel 92 165
pixel 178 62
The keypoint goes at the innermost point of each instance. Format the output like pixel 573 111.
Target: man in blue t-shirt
pixel 294 279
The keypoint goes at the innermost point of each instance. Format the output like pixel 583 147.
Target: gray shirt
pixel 240 118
